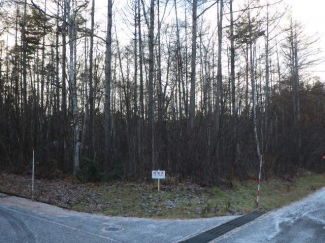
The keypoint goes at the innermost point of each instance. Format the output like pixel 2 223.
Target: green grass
pixel 190 201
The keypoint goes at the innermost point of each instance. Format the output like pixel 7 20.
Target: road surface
pixel 24 221
pixel 300 222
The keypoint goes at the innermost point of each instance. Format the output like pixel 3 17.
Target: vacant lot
pixel 175 200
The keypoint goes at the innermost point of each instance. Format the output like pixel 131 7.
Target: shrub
pixel 90 171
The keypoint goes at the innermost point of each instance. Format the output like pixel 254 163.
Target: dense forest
pixel 199 88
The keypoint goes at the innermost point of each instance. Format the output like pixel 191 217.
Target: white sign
pixel 158 174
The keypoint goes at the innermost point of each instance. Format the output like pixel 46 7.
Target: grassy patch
pixel 173 201
pixel 190 201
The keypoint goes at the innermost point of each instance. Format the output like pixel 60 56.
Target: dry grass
pixel 176 200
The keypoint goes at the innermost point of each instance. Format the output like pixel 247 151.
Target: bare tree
pixel 219 91
pixel 108 78
pixel 72 82
pixel 150 83
pixel 91 88
pixel 193 64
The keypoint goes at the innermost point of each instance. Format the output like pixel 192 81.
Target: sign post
pixel 33 169
pixel 259 182
pixel 158 174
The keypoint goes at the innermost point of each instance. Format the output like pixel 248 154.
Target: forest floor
pixel 184 200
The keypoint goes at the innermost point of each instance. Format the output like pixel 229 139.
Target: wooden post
pixel 33 169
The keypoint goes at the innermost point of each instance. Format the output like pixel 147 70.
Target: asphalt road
pixel 24 221
pixel 301 222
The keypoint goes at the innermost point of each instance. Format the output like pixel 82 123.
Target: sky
pixel 309 12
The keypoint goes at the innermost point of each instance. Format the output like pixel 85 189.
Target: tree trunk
pixel 254 93
pixel 141 124
pixel 151 108
pixel 219 91
pixel 64 89
pixel 193 64
pixel 267 78
pixel 108 78
pixel 73 88
pixel 91 89
pixel 233 80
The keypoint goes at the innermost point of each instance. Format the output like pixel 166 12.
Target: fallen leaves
pixel 141 200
